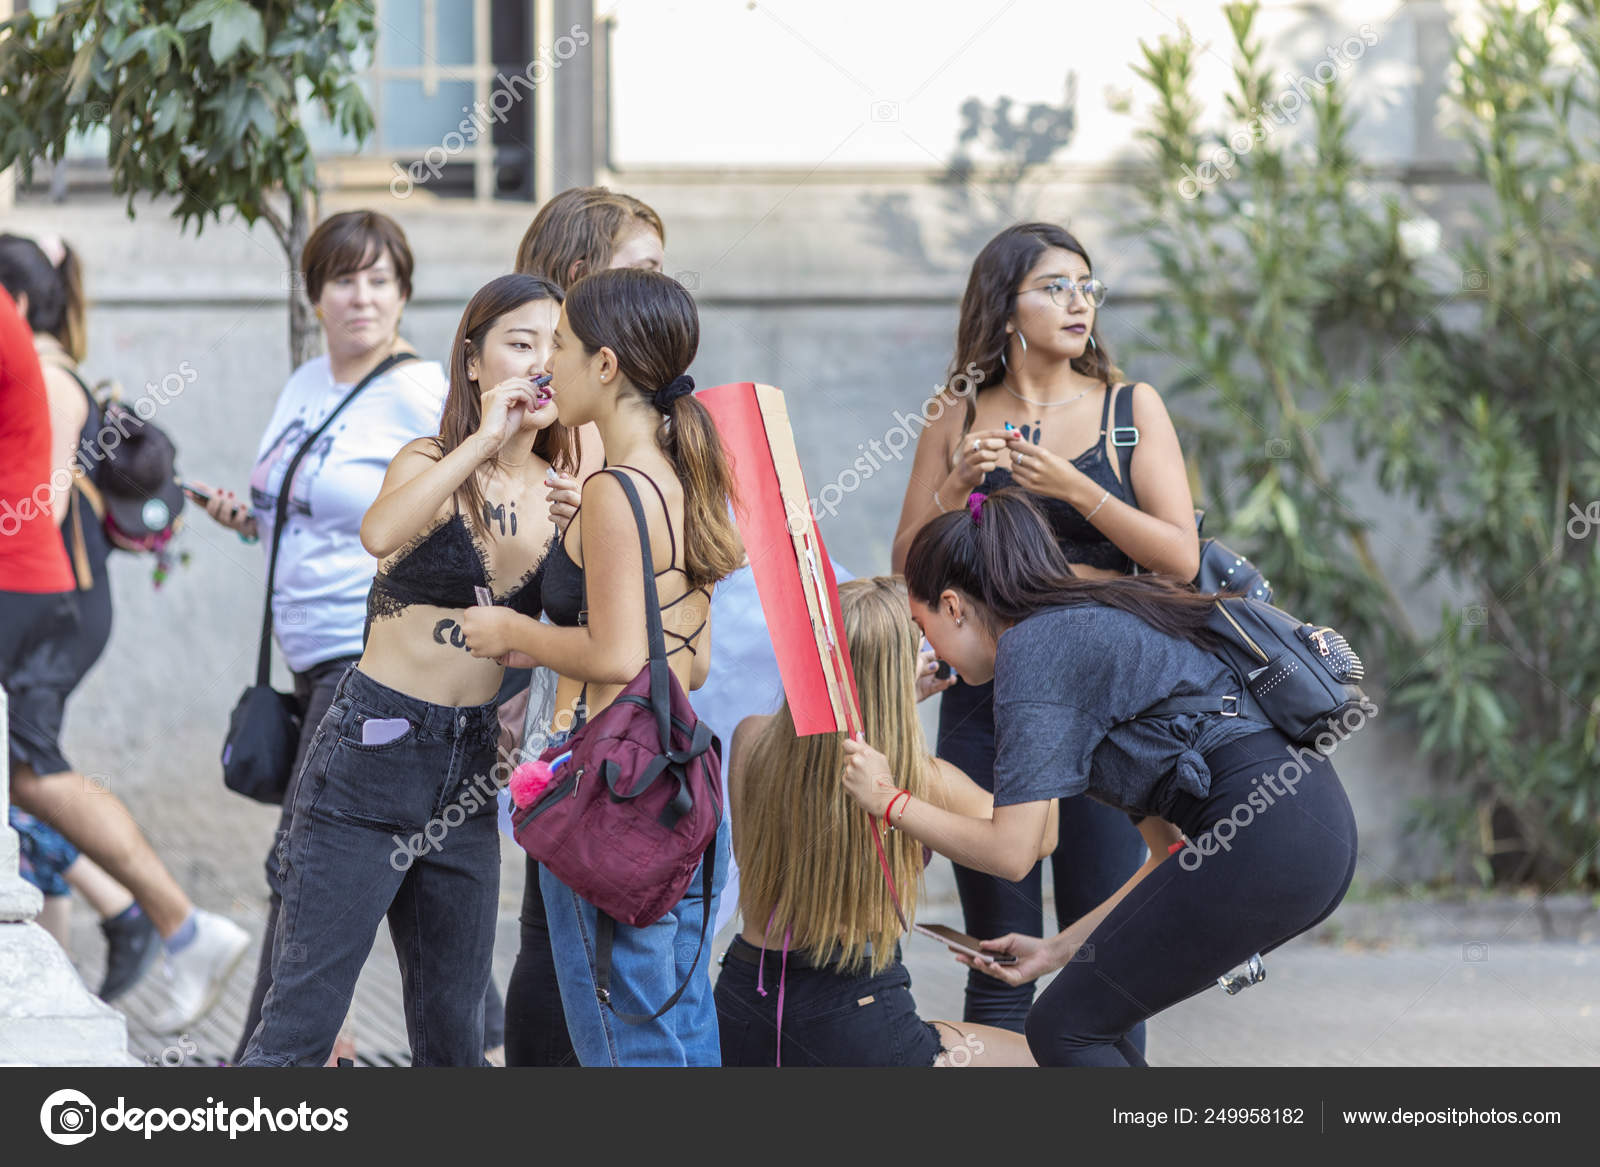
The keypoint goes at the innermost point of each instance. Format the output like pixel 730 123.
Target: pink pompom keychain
pixel 531 779
pixel 528 781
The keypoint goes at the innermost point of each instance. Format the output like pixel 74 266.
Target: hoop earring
pixel 1024 341
pixel 1092 343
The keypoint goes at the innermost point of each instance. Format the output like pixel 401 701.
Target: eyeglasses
pixel 1061 290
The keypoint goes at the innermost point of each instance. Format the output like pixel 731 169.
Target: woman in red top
pixel 32 560
pixel 37 610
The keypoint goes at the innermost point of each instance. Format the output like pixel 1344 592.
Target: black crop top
pixel 444 568
pixel 1081 540
pixel 562 588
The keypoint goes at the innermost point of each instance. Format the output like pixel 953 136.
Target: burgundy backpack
pixel 636 806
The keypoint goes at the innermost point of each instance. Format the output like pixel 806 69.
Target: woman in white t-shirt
pixel 357 269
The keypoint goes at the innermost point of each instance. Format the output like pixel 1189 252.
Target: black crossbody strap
pixel 605 935
pixel 264 657
pixel 660 676
pixel 661 707
pixel 1122 424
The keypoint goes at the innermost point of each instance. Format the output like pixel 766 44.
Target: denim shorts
pixel 42 854
pixel 830 1018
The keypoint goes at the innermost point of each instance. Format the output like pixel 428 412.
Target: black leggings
pixel 1280 866
pixel 1097 851
pixel 536 1024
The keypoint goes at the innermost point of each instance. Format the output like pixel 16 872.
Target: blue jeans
pixel 407 830
pixel 647 966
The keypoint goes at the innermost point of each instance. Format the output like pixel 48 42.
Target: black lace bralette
pixel 444 568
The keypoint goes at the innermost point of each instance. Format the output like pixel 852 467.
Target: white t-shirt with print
pixel 319 604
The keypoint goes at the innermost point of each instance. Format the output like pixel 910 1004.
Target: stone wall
pixel 839 285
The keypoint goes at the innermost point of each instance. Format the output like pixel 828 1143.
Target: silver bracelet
pixel 942 508
pixel 1099 504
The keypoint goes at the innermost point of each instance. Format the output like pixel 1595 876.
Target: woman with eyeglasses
pixel 1045 408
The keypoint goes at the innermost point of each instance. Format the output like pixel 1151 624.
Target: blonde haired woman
pixel 813 889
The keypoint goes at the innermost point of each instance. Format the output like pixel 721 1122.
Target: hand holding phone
pixel 961 942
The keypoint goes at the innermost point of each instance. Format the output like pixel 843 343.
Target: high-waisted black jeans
pixel 313 693
pixel 406 830
pixel 1272 849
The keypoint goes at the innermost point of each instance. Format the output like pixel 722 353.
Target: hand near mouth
pixel 507 408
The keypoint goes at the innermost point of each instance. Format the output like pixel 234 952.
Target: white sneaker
pixel 195 976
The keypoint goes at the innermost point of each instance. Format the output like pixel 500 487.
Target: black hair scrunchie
pixel 680 386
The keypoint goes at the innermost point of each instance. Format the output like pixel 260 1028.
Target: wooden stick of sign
pixel 794 576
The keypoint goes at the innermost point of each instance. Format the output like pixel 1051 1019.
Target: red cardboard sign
pixel 799 595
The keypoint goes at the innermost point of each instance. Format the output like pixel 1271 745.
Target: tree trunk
pixel 305 336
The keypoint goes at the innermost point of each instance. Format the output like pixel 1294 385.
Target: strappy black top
pixel 444 568
pixel 562 589
pixel 1079 539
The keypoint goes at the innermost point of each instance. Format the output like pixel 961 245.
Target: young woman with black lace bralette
pixel 395 811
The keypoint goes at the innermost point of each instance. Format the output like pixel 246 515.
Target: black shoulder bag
pixel 1302 678
pixel 264 730
pixel 1221 568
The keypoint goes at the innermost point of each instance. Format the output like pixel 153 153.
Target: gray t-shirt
pixel 1067 681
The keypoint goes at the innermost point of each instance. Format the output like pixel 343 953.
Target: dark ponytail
pixel 712 547
pixel 1000 552
pixel 649 321
pixel 54 291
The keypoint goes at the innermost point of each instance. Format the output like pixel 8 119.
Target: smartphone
pixel 200 496
pixel 961 942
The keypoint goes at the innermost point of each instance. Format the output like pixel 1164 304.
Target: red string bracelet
pixel 889 810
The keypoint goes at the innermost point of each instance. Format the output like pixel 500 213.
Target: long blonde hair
pixel 808 857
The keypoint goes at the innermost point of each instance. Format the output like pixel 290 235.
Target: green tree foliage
pixel 1283 293
pixel 1291 300
pixel 1509 696
pixel 200 100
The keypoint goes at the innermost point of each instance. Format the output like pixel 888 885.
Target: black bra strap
pixel 264 653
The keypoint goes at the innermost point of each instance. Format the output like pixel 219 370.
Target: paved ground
pixel 1497 982
pixel 1466 1002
